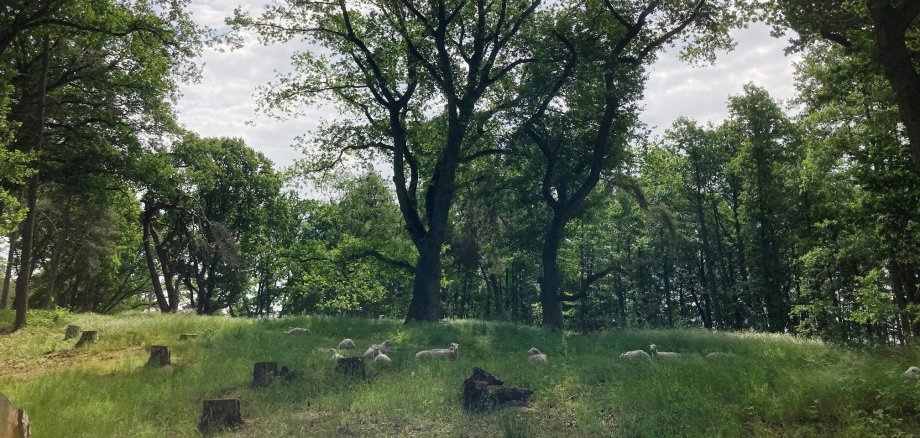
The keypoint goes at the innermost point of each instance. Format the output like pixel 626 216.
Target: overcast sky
pixel 223 103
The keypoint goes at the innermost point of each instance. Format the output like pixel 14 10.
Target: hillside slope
pixel 776 385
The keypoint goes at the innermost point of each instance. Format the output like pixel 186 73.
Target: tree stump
pixel 351 366
pixel 263 373
pixel 87 337
pixel 187 336
pixel 220 414
pixel 71 332
pixel 14 423
pixel 483 391
pixel 159 356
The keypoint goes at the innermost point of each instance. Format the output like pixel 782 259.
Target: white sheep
pixel 912 372
pixel 385 348
pixel 347 344
pixel 665 355
pixel 333 353
pixel 635 354
pixel 452 351
pixel 535 357
pixel 381 357
pixel 298 331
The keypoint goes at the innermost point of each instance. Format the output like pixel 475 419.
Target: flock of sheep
pixel 380 353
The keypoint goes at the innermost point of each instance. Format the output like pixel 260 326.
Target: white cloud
pixel 224 102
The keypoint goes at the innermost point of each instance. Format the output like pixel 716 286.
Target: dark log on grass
pixel 71 332
pixel 187 336
pixel 14 423
pixel 351 366
pixel 159 356
pixel 87 337
pixel 263 373
pixel 483 391
pixel 219 414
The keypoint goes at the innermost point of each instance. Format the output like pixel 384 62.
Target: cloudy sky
pixel 224 104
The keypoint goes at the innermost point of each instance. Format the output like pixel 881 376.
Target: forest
pixel 486 161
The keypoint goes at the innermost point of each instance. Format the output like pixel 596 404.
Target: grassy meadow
pixel 775 386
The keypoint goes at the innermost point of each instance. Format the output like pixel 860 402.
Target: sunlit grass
pixel 776 385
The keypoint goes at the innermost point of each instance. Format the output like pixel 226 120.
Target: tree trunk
pixel 8 275
pixel 426 289
pixel 56 257
pixel 152 267
pixel 890 25
pixel 551 282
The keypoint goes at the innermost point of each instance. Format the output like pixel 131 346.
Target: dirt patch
pixel 23 369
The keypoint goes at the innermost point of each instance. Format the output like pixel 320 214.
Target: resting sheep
pixel 535 357
pixel 452 351
pixel 335 354
pixel 912 372
pixel 347 344
pixel 381 357
pixel 666 355
pixel 298 331
pixel 635 354
pixel 385 348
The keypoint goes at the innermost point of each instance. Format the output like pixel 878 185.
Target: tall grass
pixel 775 386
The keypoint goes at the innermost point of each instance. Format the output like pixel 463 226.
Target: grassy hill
pixel 775 386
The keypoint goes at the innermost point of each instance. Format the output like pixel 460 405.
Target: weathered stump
pixel 87 337
pixel 187 336
pixel 71 332
pixel 14 423
pixel 263 373
pixel 159 356
pixel 351 366
pixel 220 414
pixel 483 391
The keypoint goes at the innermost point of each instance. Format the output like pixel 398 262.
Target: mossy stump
pixel 352 366
pixel 87 337
pixel 484 392
pixel 159 356
pixel 72 331
pixel 219 414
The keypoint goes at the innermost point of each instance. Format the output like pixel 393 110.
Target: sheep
pixel 662 354
pixel 385 348
pixel 635 354
pixel 334 354
pixel 718 355
pixel 298 331
pixel 912 372
pixel 534 356
pixel 347 344
pixel 381 357
pixel 452 351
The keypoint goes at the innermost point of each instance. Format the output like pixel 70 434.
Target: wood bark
pixel 159 356
pixel 8 275
pixel 27 231
pixel 219 414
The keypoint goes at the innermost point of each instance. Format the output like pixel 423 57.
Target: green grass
pixel 775 386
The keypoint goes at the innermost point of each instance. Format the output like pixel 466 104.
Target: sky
pixel 224 102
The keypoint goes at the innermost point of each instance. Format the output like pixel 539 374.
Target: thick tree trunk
pixel 426 289
pixel 890 25
pixel 55 261
pixel 8 275
pixel 551 283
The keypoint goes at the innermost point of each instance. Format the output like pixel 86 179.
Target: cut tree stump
pixel 87 337
pixel 14 423
pixel 351 366
pixel 71 332
pixel 159 356
pixel 220 414
pixel 263 373
pixel 187 336
pixel 483 391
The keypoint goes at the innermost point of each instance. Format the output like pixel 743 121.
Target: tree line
pixel 523 186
